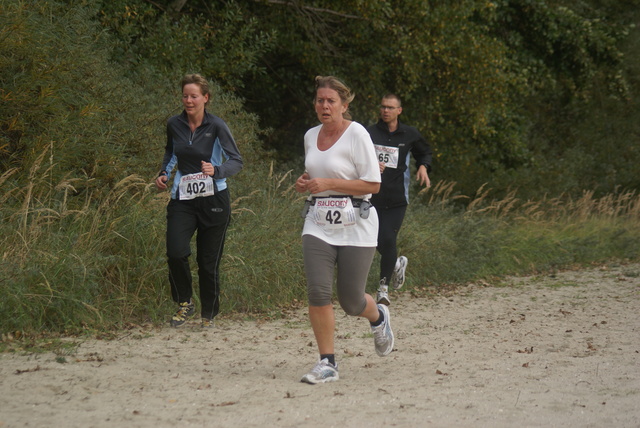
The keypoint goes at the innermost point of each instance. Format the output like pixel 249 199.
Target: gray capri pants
pixel 353 264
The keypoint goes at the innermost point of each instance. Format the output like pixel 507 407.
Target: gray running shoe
pixel 382 296
pixel 398 272
pixel 382 334
pixel 207 323
pixel 184 312
pixel 323 372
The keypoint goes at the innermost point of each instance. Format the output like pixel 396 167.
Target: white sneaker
pixel 398 272
pixel 382 296
pixel 382 334
pixel 323 372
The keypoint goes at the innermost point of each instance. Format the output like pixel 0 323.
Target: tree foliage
pixel 68 107
pixel 63 97
pixel 219 41
pixel 480 79
pixel 503 90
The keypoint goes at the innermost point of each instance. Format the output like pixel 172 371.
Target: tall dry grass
pixel 453 237
pixel 77 257
pixel 624 204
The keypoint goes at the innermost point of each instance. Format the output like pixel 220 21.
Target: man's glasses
pixel 387 108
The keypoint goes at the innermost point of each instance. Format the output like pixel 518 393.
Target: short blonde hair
pixel 331 82
pixel 197 79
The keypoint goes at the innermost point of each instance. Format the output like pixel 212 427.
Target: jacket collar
pixel 205 119
pixel 383 126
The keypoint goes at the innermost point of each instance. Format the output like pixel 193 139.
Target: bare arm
pixel 349 187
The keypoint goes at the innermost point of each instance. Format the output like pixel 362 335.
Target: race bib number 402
pixel 195 186
pixel 387 155
pixel 334 213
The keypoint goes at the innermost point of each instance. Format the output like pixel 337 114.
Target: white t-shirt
pixel 352 157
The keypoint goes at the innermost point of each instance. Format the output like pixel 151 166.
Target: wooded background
pixel 539 96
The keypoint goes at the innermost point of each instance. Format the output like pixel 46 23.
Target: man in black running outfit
pixel 393 140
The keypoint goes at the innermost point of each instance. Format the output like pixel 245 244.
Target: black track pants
pixel 390 222
pixel 210 217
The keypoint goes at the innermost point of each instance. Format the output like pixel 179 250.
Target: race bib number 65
pixel 195 186
pixel 387 155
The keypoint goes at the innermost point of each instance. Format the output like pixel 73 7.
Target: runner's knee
pixel 353 307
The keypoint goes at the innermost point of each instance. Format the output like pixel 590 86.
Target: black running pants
pixel 210 217
pixel 390 221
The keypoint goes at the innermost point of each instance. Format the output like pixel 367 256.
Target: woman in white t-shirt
pixel 341 226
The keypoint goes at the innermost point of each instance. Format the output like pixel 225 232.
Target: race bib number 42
pixel 334 213
pixel 387 155
pixel 195 186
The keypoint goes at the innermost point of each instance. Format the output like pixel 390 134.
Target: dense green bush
pixel 505 90
pixel 67 102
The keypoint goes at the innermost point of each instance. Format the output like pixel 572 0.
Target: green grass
pixel 100 265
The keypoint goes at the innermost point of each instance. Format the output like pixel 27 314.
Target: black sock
pixel 379 320
pixel 330 357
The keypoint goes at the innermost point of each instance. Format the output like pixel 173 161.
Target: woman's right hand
pixel 161 182
pixel 301 183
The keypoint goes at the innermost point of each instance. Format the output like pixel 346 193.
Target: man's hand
pixel 422 176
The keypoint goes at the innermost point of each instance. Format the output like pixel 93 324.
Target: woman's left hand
pixel 207 168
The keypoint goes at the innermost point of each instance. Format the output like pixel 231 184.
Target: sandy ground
pixel 554 350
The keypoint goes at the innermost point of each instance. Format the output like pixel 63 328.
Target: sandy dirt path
pixel 553 350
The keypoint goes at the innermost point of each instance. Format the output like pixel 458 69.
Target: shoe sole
pixel 397 285
pixel 311 382
pixel 383 301
pixel 387 317
pixel 175 324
